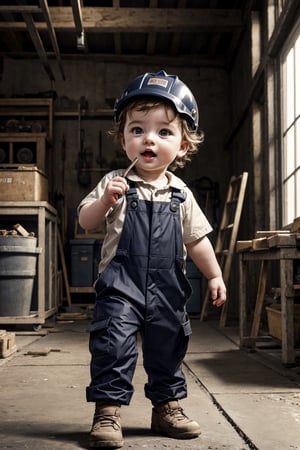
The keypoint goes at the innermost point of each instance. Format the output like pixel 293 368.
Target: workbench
pixel 41 218
pixel 285 249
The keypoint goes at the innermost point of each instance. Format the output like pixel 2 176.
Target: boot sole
pixel 183 435
pixel 106 444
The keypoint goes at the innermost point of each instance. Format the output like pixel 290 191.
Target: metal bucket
pixel 18 260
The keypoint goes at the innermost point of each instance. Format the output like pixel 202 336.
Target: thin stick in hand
pixel 130 167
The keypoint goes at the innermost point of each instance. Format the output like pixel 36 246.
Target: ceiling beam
pixel 30 9
pixel 117 35
pixel 77 15
pixel 139 20
pixel 176 38
pixel 151 38
pixel 37 42
pixel 138 59
pixel 45 9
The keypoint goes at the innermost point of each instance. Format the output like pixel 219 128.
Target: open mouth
pixel 148 154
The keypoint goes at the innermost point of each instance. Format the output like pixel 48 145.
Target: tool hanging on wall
pixel 100 159
pixel 83 174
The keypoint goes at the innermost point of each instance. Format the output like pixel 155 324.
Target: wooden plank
pixel 42 332
pixel 243 245
pixel 260 244
pixel 21 230
pixel 278 240
pixel 268 233
pixel 46 13
pixel 261 292
pixel 38 43
pixel 138 20
pixel 64 268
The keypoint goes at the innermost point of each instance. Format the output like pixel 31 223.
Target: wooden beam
pixel 175 41
pixel 77 15
pixel 151 38
pixel 237 36
pixel 283 27
pixel 29 9
pixel 280 33
pixel 117 36
pixel 45 9
pixel 37 42
pixel 138 59
pixel 140 20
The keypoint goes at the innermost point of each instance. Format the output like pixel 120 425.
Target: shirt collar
pixel 173 180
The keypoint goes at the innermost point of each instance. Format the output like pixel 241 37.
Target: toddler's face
pixel 155 137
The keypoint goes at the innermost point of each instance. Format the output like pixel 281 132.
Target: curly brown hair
pixel 193 138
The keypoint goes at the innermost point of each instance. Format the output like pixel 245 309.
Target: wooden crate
pixel 23 184
pixel 274 322
pixel 7 343
pixel 26 149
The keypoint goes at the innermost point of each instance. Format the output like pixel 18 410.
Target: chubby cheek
pixel 129 146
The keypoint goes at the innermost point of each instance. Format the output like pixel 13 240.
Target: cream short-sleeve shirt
pixel 193 221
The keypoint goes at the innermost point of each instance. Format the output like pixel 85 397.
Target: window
pixel 290 98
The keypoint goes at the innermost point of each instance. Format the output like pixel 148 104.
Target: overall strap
pixel 132 195
pixel 177 197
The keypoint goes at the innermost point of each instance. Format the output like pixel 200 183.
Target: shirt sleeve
pixel 195 223
pixel 98 191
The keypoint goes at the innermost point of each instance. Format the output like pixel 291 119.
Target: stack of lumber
pixel 264 240
pixel 17 230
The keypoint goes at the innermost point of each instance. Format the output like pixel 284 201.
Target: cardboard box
pixel 23 184
pixel 274 322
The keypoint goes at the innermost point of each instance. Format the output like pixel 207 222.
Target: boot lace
pixel 177 413
pixel 103 420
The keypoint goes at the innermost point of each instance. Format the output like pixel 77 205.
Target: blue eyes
pixel 139 131
pixel 165 132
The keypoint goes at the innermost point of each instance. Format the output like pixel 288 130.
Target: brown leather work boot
pixel 106 430
pixel 170 420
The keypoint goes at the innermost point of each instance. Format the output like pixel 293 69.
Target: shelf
pixel 23 149
pixel 89 114
pixel 28 107
pixel 82 290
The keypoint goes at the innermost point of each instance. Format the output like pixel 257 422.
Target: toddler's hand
pixel 218 290
pixel 114 190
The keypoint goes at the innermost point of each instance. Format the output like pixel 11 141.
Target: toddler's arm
pixel 203 255
pixel 93 213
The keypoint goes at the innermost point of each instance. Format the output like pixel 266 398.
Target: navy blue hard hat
pixel 163 86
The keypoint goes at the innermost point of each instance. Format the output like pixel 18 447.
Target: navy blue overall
pixel 142 290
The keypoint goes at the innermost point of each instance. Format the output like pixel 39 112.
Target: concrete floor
pixel 242 400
